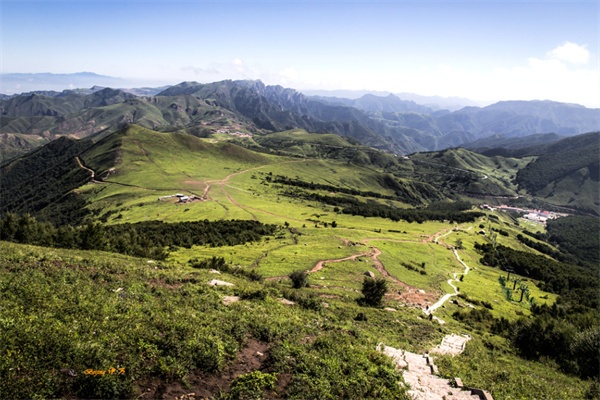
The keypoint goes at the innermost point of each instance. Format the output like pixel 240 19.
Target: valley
pixel 304 200
pixel 112 266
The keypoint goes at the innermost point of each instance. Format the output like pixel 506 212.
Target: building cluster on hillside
pixel 236 133
pixel 540 216
pixel 181 198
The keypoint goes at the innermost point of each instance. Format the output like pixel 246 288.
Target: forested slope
pixel 568 173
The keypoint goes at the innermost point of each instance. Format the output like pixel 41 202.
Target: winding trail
pixel 446 297
pixel 319 265
pixel 222 183
pixel 87 169
pixel 410 294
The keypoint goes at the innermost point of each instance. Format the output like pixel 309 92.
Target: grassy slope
pixel 151 164
pixel 103 311
pixel 567 173
pixel 154 161
pixel 500 171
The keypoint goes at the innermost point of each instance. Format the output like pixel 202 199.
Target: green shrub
pixel 252 385
pixel 299 279
pixel 308 301
pixel 373 291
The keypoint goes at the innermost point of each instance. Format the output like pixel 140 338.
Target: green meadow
pixel 162 322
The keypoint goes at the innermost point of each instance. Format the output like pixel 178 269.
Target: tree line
pixel 319 186
pixel 577 235
pixel 438 211
pixel 410 215
pixel 411 192
pixel 151 239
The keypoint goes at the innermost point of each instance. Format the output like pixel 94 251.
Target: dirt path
pixel 447 296
pixel 222 182
pixel 436 236
pixel 319 266
pixel 87 169
pixel 409 294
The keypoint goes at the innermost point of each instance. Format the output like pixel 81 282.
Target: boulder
pixel 216 282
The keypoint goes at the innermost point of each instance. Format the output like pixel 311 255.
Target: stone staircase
pixel 419 375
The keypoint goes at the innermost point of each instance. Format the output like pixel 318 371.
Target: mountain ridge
pixel 387 123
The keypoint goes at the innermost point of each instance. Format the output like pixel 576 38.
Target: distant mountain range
pixel 25 82
pixel 384 122
pixel 433 102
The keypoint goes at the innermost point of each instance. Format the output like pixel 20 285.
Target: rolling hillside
pixel 469 173
pixel 221 224
pixel 517 146
pixel 106 111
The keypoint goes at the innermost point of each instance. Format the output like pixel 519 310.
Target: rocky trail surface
pixel 420 372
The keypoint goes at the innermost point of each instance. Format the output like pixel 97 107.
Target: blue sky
pixel 482 50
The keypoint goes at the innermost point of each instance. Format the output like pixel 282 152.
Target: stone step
pixel 422 384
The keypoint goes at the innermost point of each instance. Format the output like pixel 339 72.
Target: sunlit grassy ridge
pixel 199 333
pixel 148 165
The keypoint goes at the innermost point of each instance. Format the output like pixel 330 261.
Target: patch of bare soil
pixel 204 385
pixel 163 284
pixel 196 184
pixel 410 294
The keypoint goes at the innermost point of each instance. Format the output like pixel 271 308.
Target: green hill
pixel 102 113
pixel 42 183
pixel 567 174
pixel 14 145
pixel 251 211
pixel 468 173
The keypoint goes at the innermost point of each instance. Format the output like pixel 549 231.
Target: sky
pixel 482 50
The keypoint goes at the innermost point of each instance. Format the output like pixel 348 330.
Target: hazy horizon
pixel 483 51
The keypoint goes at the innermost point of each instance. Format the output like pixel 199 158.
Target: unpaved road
pixel 86 168
pixel 445 298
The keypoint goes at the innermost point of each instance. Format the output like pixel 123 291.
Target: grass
pixel 439 263
pixel 487 363
pixel 83 311
pixel 79 289
pixel 161 319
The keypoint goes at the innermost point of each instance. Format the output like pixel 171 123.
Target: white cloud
pixel 571 53
pixel 565 74
pixel 568 73
pixel 289 74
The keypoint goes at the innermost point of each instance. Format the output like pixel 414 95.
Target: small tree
pixel 524 291
pixel 373 291
pixel 516 282
pixel 299 279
